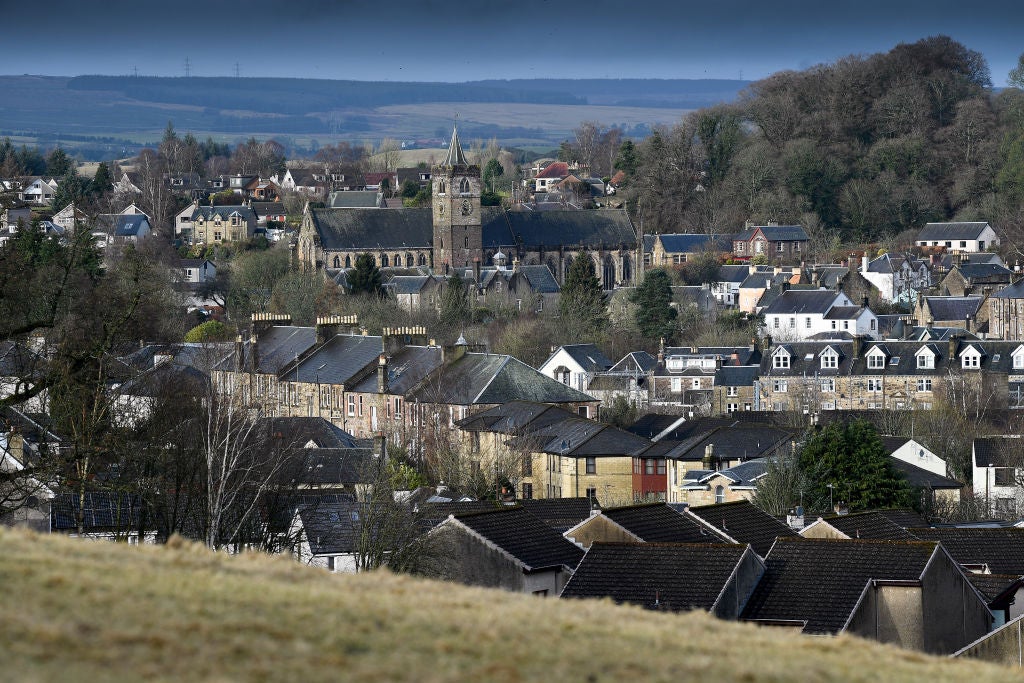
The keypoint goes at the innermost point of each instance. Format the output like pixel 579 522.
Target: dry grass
pixel 77 611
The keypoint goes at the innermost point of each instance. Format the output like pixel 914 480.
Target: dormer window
pixel 876 359
pixel 829 359
pixel 1018 358
pixel 970 359
pixel 781 360
pixel 925 360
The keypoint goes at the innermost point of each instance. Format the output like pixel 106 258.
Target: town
pixel 554 376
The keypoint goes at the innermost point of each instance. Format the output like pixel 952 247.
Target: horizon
pixel 425 43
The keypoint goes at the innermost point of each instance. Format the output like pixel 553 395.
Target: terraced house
pixel 894 375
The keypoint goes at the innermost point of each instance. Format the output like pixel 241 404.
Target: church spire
pixel 455 155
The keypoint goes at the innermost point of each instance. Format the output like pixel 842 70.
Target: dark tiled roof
pixel 429 515
pixel 658 523
pixel 802 301
pixel 355 199
pixel 1013 291
pixel 672 577
pixel 481 378
pixel 588 356
pixel 870 525
pixel 737 375
pixel 210 212
pixel 525 537
pixel 738 441
pixel 275 348
pixel 951 231
pixel 540 279
pixel 908 519
pixel 131 225
pixel 685 244
pixel 293 432
pixel 993 586
pixel 953 307
pixel 820 581
pixel 637 361
pixel 774 233
pixel 990 272
pixel 332 525
pixel 1001 549
pixel 102 511
pixel 746 473
pixel 408 284
pixel 920 478
pixel 560 514
pixel 745 523
pixel 999 451
pixel 406 368
pixel 370 229
pixel 569 228
pixel 733 273
pixel 331 467
pixel 337 361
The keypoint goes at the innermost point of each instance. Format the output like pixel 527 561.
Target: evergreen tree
pixel 852 459
pixel 492 170
pixel 366 276
pixel 70 188
pixel 581 306
pixel 102 182
pixel 58 163
pixel 655 318
pixel 455 307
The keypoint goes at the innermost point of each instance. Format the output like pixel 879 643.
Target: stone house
pixel 966 312
pixel 775 242
pixel 575 365
pixel 216 224
pixel 898 278
pixel 1006 312
pixel 965 279
pixel 667 250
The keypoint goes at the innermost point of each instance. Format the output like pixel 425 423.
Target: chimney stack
pixel 380 445
pixel 394 339
pixel 953 339
pixel 382 374
pixel 709 457
pixel 858 345
pixel 261 322
pixel 330 325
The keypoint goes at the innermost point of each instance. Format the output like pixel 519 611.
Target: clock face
pixel 467 207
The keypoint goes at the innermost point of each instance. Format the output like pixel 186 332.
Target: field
pixel 79 611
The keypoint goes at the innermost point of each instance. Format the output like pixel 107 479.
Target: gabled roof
pixel 920 478
pixel 995 586
pixel 208 213
pixel 483 378
pixel 102 511
pixel 352 199
pixel 1002 549
pixel 560 514
pixel 1011 291
pixel 331 466
pixel 745 523
pixel 673 577
pixel 130 225
pixel 301 431
pixel 587 356
pixel 803 301
pixel 689 243
pixel 821 581
pixel 869 525
pixel 275 348
pixel 590 229
pixel 529 541
pixel 636 361
pixel 556 169
pixel 999 451
pixel 332 525
pixel 360 229
pixel 337 361
pixel 729 273
pixel 745 474
pixel 774 233
pixel 987 272
pixel 406 368
pixel 658 523
pixel 953 307
pixel 952 231
pixel 540 279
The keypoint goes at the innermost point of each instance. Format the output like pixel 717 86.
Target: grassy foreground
pixel 75 611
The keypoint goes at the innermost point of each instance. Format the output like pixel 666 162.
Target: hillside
pixel 94 611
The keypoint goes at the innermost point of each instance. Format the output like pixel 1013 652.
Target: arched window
pixel 383 260
pixel 337 262
pixel 348 261
pixel 627 269
pixel 719 494
pixel 423 259
pixel 398 261
pixel 441 187
pixel 464 186
pixel 409 261
pixel 608 272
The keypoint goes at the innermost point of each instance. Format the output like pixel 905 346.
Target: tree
pixel 626 159
pixel 581 306
pixel 211 330
pixel 780 489
pixel 492 170
pixel 848 463
pixel 72 188
pixel 101 181
pixel 455 306
pixel 654 316
pixel 366 276
pixel 1016 76
pixel 58 163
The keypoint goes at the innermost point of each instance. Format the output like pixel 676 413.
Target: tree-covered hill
pixel 868 146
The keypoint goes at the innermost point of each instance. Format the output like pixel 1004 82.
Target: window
pixel 527 491
pixel 732 391
pixel 733 407
pixel 829 360
pixel 741 247
pixel 874 385
pixel 781 361
pixel 583 411
pixel 592 493
pixel 636 466
pixel 464 186
pixel 649 465
pixel 466 242
pixel 527 465
pixel 780 247
pixel 1003 476
pixel 678 258
pixel 591 465
pixel 325 396
pixel 792 322
pixel 360 406
pixel 925 360
pixel 828 386
pixel 695 383
pixel 1018 361
pixel 963 244
pixel 780 386
pixel 874 324
pixel 398 408
pixel 775 322
pixel 924 384
pixel 719 494
pixel 796 246
pixel 846 324
pixel 677 385
pixel 970 360
pixel 217 235
pixel 661 466
pixel 834 324
pixel 807 323
pixel 876 361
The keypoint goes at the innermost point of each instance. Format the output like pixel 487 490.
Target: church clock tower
pixel 458 235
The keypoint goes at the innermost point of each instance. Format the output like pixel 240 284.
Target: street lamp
pixel 830 488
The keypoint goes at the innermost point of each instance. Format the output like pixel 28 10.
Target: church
pixel 458 233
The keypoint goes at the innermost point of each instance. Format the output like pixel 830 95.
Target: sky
pixel 431 40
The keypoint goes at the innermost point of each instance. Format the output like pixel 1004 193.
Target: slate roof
pixel 687 244
pixel 774 233
pixel 408 284
pixel 268 208
pixel 745 523
pixel 737 441
pixel 540 279
pixel 903 517
pixel 166 376
pixel 482 378
pixel 821 581
pixel 671 577
pixel 920 478
pixel 330 466
pixel 337 361
pixel 331 526
pixel 522 535
pixel 1012 291
pixel 989 272
pixel 569 228
pixel 130 226
pixel 952 231
pixel 993 586
pixel 276 347
pixel 802 301
pixel 103 511
pixel 953 307
pixel 999 451
pixel 352 199
pixel 561 514
pixel 869 525
pixel 637 361
pixel 658 523
pixel 407 367
pixel 358 229
pixel 588 356
pixel 299 431
pixel 729 273
pixel 737 375
pixel 210 212
pixel 746 473
pixel 1002 549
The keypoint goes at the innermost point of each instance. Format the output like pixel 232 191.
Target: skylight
pixel 895 360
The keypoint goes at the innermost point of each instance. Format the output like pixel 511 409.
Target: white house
pixel 997 468
pixel 800 314
pixel 197 271
pixel 183 221
pixel 575 365
pixel 326 534
pixel 965 237
pixel 68 217
pixel 897 278
pixel 916 454
pixel 39 191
